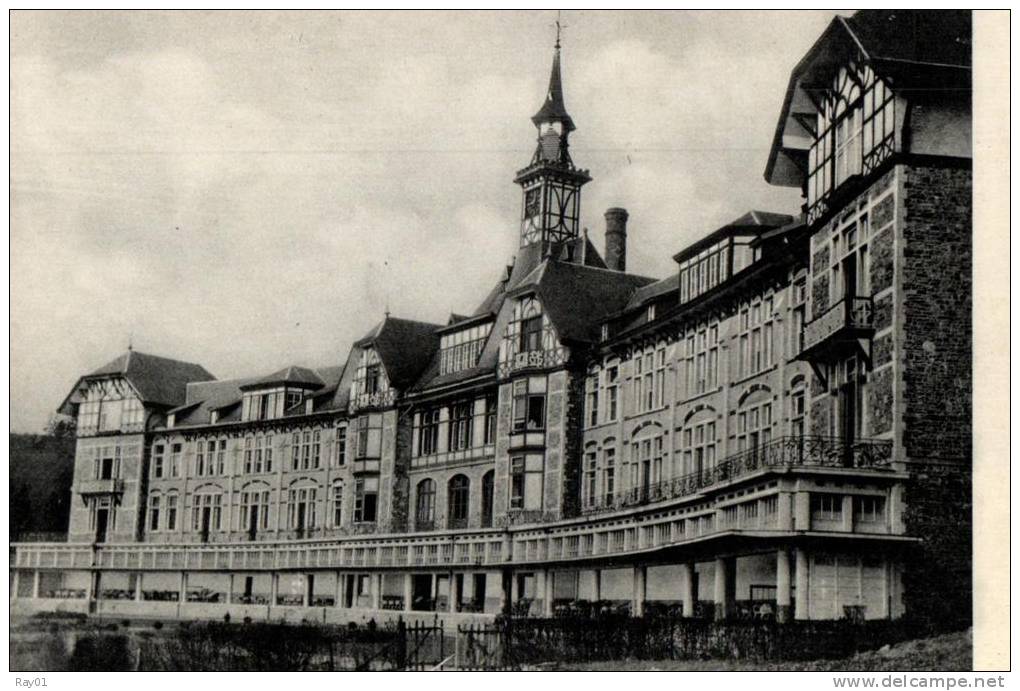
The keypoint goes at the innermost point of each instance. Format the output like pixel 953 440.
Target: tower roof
pixel 553 109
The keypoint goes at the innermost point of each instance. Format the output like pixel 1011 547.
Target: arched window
pixel 590 470
pixel 154 501
pixel 425 508
pixel 171 511
pixel 254 515
pixel 458 499
pixel 798 407
pixel 699 442
pixel 754 419
pixel 207 511
pixel 488 491
pixel 301 505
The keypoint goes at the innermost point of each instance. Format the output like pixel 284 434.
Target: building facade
pixel 778 429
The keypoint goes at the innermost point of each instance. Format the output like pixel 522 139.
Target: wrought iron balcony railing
pixel 851 318
pixel 784 452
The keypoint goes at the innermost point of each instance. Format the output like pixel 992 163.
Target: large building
pixel 779 428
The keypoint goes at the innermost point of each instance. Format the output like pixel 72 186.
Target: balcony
pixel 785 452
pixel 99 487
pixel 840 326
pixel 378 399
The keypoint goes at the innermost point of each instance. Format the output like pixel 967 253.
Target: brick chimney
pixel 616 239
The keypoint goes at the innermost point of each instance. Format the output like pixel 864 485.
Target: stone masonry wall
pixel 935 400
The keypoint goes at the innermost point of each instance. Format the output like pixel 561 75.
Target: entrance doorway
pixel 421 592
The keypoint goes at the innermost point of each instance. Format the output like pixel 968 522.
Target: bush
pixel 101 653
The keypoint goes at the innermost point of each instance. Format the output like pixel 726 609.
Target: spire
pixel 554 110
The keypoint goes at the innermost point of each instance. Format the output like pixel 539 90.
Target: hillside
pixel 41 471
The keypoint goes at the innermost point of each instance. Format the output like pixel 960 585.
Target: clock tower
pixel 551 183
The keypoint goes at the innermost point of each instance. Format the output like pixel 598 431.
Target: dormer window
pixel 531 334
pixel 854 132
pixel 650 313
pixel 460 350
pixel 372 379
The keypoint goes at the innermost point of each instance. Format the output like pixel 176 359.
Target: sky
pixel 253 190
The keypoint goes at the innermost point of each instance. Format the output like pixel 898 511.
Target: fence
pixel 515 643
pixel 283 647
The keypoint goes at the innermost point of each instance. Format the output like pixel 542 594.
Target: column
pixel 784 510
pixel 895 511
pixel 306 590
pixel 783 595
pixel 138 588
pixel 36 577
pixel 687 594
pixel 848 513
pixel 802 511
pixel 801 609
pixel 14 585
pixel 182 597
pixel 377 584
pixel 640 590
pixel 338 598
pixel 506 588
pixel 408 591
pixel 514 588
pixel 453 597
pixel 274 588
pixel 547 592
pixel 596 585
pixel 721 598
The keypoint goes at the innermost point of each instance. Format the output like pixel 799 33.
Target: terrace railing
pixel 784 452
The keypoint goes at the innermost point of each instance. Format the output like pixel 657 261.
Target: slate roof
pixel 553 107
pixel 578 298
pixel 653 290
pixel 922 50
pixel 301 376
pixel 405 348
pixel 158 380
pixel 757 221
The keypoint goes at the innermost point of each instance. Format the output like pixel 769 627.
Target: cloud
pixel 249 190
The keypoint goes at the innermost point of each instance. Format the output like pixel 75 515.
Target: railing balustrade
pixel 813 451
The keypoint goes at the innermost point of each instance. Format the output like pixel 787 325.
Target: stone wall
pixel 936 313
pixel 935 402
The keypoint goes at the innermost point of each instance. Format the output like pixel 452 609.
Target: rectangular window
pixel 154 513
pixel 517 482
pixel 608 474
pixel 592 400
pixel 529 404
pixel 221 457
pixel 490 419
pixel 199 458
pixel 340 446
pixel 428 435
pixel 869 509
pixel 588 487
pixel 175 460
pixel 249 455
pixel 826 507
pixel 157 460
pixel 171 512
pixel 365 493
pixel 372 379
pixel 338 504
pixel 531 334
pixel 612 378
pixel 460 426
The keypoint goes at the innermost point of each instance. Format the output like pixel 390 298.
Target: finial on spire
pixel 131 339
pixel 559 27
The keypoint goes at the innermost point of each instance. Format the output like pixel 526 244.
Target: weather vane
pixel 559 28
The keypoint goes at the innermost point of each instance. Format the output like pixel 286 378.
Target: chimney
pixel 616 239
